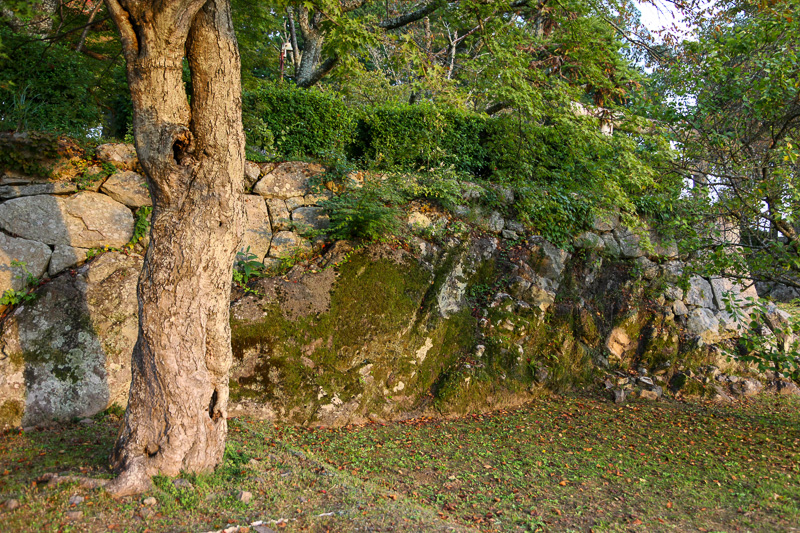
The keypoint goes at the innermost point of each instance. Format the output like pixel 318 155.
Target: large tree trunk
pixel 193 158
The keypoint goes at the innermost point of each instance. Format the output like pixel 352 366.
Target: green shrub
pixel 364 213
pixel 413 137
pixel 48 87
pixel 297 122
pixel 561 167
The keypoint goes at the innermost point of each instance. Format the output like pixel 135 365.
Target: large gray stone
pixel 779 322
pixel 121 155
pixel 605 222
pixel 83 220
pixel 33 189
pixel 251 173
pixel 515 226
pixel 679 308
pixel 672 271
pixel 128 188
pixel 287 180
pixel 504 194
pixel 495 223
pixel 700 293
pixel 541 293
pixel 294 202
pixel 673 292
pixel 647 268
pixel 310 219
pixel 726 288
pixel 629 242
pixel 279 215
pixel 705 324
pixel 67 353
pixel 316 198
pixel 547 260
pixel 611 245
pixel 590 241
pixel 33 254
pixel 451 297
pixel 618 342
pixel 663 247
pixel 777 292
pixel 65 257
pixel 471 191
pixel 257 230
pixel 287 244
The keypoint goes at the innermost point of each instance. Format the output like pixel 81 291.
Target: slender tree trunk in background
pixel 193 158
pixel 85 31
pixel 293 36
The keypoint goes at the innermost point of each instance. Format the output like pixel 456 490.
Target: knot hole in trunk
pixel 212 406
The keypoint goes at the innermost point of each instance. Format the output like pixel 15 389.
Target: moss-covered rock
pixel 370 332
pixel 370 343
pixel 67 353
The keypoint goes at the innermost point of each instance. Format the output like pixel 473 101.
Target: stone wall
pixel 51 224
pixel 479 313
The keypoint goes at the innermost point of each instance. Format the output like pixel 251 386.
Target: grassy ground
pixel 560 464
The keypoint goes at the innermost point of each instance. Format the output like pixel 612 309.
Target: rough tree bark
pixel 311 68
pixel 193 157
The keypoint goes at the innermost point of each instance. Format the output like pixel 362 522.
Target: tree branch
pixel 497 107
pixel 320 72
pixel 88 25
pixel 403 20
pixel 130 43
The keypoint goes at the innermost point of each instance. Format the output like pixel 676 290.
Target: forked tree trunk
pixel 193 157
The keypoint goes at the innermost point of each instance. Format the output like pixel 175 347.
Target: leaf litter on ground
pixel 562 463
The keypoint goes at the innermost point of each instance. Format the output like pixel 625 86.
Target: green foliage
pixel 770 341
pixel 563 168
pixel 260 140
pixel 89 178
pixel 28 154
pixel 363 213
pixel 555 213
pixel 142 224
pixel 14 297
pixel 246 267
pixel 48 87
pixel 186 497
pixel 731 100
pixel 371 210
pixel 421 136
pixel 297 122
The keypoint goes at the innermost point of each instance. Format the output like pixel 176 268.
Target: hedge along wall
pixel 306 122
pixel 562 168
pixel 294 123
pixel 297 123
pixel 422 136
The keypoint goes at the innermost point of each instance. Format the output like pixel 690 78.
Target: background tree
pixel 68 78
pixel 732 108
